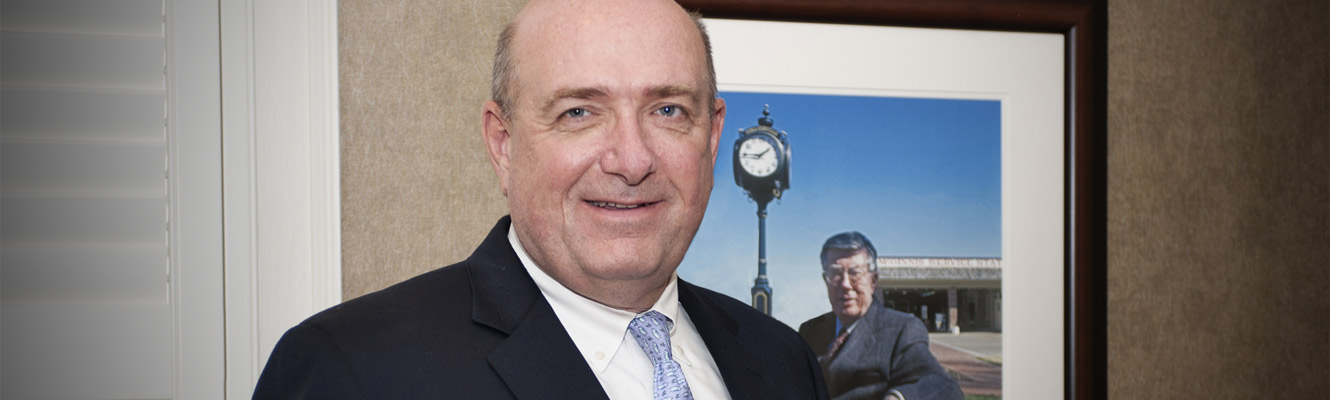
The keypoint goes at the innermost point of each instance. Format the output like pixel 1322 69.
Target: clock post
pixel 761 287
pixel 762 169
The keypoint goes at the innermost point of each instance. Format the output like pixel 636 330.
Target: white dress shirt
pixel 601 335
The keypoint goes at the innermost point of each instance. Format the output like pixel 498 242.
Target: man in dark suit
pixel 603 129
pixel 866 350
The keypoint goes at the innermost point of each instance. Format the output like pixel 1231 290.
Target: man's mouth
pixel 618 206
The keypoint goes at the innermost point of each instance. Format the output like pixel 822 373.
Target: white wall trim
pixel 282 174
pixel 325 145
pixel 242 352
pixel 195 190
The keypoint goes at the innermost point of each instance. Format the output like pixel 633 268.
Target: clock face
pixel 757 157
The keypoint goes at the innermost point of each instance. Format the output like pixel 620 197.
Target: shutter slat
pixel 117 17
pixel 84 274
pixel 83 219
pixel 82 114
pixel 59 167
pixel 82 351
pixel 63 60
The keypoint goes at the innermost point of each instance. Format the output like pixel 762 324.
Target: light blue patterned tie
pixel 651 329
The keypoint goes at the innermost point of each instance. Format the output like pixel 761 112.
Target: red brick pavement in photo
pixel 975 377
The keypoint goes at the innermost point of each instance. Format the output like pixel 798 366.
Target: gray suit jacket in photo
pixel 481 329
pixel 888 350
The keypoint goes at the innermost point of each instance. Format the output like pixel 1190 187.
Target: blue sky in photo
pixel 919 177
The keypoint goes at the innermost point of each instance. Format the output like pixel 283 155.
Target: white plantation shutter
pixel 114 278
pixel 84 200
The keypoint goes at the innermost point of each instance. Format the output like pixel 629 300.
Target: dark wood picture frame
pixel 1084 24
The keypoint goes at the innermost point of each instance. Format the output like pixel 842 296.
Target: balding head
pixel 604 132
pixel 503 85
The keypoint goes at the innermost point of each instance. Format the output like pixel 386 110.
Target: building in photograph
pixel 945 292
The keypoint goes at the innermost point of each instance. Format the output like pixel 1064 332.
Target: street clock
pixel 762 169
pixel 762 160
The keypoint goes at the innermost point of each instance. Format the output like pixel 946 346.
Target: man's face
pixel 850 296
pixel 607 158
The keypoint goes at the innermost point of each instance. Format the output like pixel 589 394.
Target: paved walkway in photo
pixel 960 355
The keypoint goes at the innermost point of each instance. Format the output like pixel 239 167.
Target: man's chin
pixel 846 313
pixel 623 269
pixel 626 257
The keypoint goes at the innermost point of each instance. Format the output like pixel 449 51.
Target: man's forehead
pixel 856 256
pixel 561 26
pixel 604 53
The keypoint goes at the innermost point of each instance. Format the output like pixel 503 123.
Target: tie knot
pixel 652 331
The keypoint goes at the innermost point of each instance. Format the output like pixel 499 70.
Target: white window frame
pixel 195 227
pixel 281 185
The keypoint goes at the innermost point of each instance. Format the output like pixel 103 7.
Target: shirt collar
pixel 596 329
pixel 842 328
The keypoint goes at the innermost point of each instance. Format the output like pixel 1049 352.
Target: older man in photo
pixel 869 351
pixel 603 127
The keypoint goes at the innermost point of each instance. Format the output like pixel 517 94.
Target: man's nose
pixel 846 283
pixel 629 155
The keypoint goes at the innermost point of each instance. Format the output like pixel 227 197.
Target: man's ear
pixel 496 135
pixel 717 127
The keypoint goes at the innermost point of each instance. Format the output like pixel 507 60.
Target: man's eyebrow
pixel 657 92
pixel 661 92
pixel 571 93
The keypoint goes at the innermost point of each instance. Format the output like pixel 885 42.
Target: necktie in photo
pixel 835 345
pixel 652 331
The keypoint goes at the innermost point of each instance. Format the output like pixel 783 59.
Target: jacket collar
pixel 720 331
pixel 538 360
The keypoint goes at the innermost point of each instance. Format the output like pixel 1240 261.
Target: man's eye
pixel 668 111
pixel 575 113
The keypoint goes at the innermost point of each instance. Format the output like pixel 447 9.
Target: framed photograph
pixel 965 139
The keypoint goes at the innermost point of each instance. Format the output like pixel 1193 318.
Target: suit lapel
pixel 721 334
pixel 538 360
pixel 859 348
pixel 820 333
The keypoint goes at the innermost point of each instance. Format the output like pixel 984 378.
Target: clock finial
pixel 766 116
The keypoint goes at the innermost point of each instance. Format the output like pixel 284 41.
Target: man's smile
pixel 618 206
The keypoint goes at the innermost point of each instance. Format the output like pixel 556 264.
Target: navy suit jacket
pixel 887 350
pixel 481 329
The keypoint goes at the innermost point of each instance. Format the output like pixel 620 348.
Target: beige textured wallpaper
pixel 1219 199
pixel 418 192
pixel 1219 179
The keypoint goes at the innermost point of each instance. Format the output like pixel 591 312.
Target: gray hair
pixel 851 241
pixel 502 82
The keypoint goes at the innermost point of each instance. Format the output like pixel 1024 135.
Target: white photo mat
pixel 1024 71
